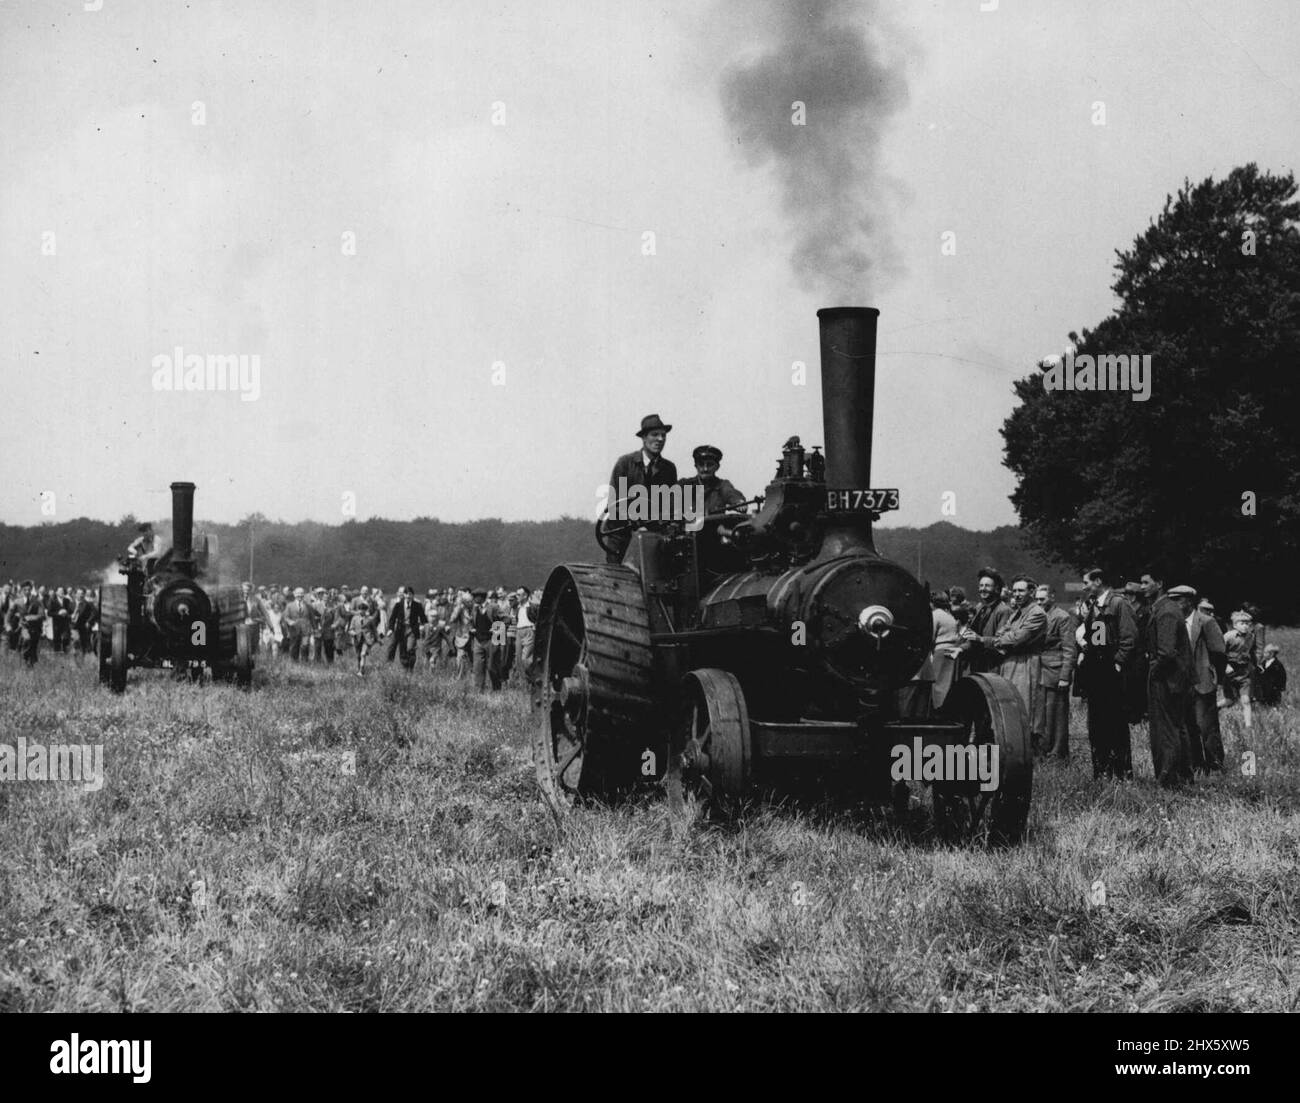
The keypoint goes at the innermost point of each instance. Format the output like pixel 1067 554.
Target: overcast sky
pixel 500 165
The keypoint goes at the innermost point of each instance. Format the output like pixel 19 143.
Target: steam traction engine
pixel 163 616
pixel 761 648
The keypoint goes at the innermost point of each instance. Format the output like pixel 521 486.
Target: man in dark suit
pixel 1271 678
pixel 84 615
pixel 1106 638
pixel 254 610
pixel 405 622
pixel 646 468
pixel 1051 726
pixel 479 616
pixel 1209 657
pixel 31 620
pixel 1135 677
pixel 1169 684
pixel 59 609
pixel 296 625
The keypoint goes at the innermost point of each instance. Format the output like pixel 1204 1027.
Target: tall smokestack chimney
pixel 848 339
pixel 182 523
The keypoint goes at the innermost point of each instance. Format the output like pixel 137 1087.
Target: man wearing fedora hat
pixel 644 467
pixel 1209 656
pixel 295 623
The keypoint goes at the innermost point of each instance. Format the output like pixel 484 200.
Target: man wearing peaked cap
pixel 645 467
pixel 480 638
pixel 718 492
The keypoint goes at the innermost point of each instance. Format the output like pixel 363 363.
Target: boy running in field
pixel 1240 643
pixel 364 631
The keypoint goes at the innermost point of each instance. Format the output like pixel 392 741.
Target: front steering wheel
pixel 606 528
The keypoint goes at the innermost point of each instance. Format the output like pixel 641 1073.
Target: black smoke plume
pixel 820 54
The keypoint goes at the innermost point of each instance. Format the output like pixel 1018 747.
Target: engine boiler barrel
pixel 182 523
pixel 839 603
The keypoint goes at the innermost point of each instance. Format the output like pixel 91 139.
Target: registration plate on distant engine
pixel 861 501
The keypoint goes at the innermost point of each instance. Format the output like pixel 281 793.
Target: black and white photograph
pixel 691 506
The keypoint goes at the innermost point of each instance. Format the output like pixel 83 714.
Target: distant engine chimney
pixel 182 523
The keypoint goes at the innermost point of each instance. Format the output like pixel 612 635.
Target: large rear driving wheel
pixel 593 648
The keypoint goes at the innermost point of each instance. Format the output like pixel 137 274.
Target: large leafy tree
pixel 1212 291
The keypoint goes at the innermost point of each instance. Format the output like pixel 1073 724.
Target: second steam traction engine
pixel 167 615
pixel 762 646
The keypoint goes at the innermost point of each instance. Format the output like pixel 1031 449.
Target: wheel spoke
pixel 563 767
pixel 571 635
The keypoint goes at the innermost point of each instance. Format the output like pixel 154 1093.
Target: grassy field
pixel 331 844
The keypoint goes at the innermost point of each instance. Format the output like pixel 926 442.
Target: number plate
pixel 861 501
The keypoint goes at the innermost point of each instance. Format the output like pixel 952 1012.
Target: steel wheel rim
pixel 709 753
pixel 993 714
pixel 565 710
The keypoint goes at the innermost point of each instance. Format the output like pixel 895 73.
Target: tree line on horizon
pixel 426 552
